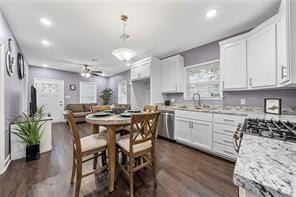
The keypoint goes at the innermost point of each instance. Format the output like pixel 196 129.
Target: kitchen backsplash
pixel 252 98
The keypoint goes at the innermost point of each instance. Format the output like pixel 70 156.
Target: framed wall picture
pixel 72 87
pixel 273 106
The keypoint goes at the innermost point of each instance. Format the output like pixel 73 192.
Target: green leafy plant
pixel 105 95
pixel 28 129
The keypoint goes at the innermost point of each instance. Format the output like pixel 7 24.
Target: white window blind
pixel 88 92
pixel 122 92
pixel 203 79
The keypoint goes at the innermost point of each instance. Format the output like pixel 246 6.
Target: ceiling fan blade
pixel 96 71
pixel 95 74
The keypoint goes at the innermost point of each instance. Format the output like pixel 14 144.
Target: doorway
pixel 3 163
pixel 50 94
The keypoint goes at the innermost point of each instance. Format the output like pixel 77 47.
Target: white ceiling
pixel 83 30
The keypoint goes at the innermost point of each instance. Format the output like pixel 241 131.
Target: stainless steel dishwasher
pixel 166 127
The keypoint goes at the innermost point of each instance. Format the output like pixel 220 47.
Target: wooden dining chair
pixel 150 108
pixel 139 144
pixel 92 145
pixel 99 108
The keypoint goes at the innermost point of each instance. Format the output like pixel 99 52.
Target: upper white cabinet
pixel 233 63
pixel 262 57
pixel 141 69
pixel 145 83
pixel 172 74
pixel 269 61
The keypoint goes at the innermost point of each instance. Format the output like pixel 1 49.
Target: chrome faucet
pixel 195 101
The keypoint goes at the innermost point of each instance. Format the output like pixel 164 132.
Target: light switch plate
pixel 243 101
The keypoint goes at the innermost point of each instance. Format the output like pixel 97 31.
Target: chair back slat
pixel 150 108
pixel 143 128
pixel 74 131
pixel 99 108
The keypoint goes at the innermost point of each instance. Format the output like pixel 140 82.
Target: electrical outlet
pixel 243 101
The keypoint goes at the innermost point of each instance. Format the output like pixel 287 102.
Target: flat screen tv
pixel 33 103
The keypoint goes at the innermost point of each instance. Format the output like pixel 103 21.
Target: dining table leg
pixel 111 139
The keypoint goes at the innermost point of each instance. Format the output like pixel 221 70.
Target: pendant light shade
pixel 124 54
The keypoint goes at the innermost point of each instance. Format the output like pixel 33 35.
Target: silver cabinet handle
pixel 282 71
pixel 251 81
pixel 176 87
pixel 228 120
pixel 223 85
pixel 227 141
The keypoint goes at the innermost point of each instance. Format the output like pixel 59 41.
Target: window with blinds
pixel 203 79
pixel 122 92
pixel 88 92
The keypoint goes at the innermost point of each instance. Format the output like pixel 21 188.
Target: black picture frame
pixel 20 66
pixel 72 87
pixel 273 106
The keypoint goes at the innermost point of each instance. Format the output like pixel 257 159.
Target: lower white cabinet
pixel 206 131
pixel 194 132
pixel 201 134
pixel 182 130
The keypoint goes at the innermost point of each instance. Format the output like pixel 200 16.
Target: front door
pixel 50 94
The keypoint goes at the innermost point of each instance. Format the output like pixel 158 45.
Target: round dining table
pixel 112 123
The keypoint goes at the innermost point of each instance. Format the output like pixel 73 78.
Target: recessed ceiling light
pixel 128 64
pixel 211 13
pixel 44 65
pixel 103 74
pixel 45 42
pixel 45 21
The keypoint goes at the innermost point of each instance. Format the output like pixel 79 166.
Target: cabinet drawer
pixel 224 150
pixel 224 129
pixel 228 119
pixel 223 139
pixel 194 115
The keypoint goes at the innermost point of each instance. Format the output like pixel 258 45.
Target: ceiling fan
pixel 86 72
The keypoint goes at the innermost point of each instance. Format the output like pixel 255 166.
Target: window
pixel 204 79
pixel 88 92
pixel 122 92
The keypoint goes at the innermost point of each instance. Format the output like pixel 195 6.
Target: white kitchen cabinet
pixel 144 69
pixel 172 74
pixel 201 134
pixel 145 83
pixel 283 64
pixel 194 132
pixel 233 62
pixel 183 128
pixel 135 72
pixel 141 69
pixel 262 63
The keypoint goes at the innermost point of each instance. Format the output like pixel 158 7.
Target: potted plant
pixel 105 95
pixel 28 129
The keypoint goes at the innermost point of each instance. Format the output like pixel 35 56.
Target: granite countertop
pixel 266 167
pixel 231 110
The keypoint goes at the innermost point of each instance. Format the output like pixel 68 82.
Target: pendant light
pixel 124 54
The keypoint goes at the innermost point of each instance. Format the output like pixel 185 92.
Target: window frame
pixel 199 65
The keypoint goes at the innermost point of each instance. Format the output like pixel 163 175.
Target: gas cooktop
pixel 282 130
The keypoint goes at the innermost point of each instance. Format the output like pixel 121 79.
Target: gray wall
pixel 15 89
pixel 69 78
pixel 113 81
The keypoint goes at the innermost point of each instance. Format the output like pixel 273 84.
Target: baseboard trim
pixel 6 163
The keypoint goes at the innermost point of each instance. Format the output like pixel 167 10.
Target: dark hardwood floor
pixel 181 171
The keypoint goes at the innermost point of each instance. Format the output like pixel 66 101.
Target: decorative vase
pixel 33 152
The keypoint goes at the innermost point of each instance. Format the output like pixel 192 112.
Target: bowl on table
pixel 118 110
